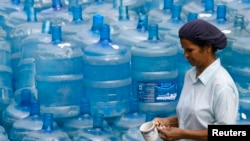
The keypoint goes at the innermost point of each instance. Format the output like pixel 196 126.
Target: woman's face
pixel 195 55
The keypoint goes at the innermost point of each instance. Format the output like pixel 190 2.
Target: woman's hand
pixel 160 122
pixel 169 133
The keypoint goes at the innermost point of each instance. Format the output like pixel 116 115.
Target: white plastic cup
pixel 149 131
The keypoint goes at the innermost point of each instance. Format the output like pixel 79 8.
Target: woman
pixel 209 95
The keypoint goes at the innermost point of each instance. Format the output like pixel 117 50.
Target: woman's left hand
pixel 169 133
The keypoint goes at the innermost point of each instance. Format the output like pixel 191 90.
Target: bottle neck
pixel 97 23
pixel 142 23
pixel 47 122
pixel 153 32
pixel 56 4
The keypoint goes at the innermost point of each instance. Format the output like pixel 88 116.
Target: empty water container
pixel 17 111
pixel 26 67
pixel 33 122
pixel 129 120
pixel 18 17
pixel 97 132
pixel 132 36
pixel 159 15
pixel 154 74
pixel 77 23
pixel 19 33
pixel 241 73
pixel 91 35
pixel 107 75
pixel 48 131
pixel 7 7
pixel 57 13
pixel 83 120
pixel 59 76
pixel 6 83
pixel 3 134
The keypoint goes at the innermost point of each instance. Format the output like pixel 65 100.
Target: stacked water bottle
pixel 98 69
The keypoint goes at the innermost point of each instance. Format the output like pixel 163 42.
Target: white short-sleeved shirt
pixel 212 98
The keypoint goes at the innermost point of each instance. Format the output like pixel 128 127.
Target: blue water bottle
pixel 133 36
pixel 17 111
pixel 26 67
pixel 18 33
pixel 6 74
pixel 57 13
pixel 83 120
pixel 8 7
pixel 97 132
pixel 124 21
pixel 129 120
pixel 18 17
pixel 237 30
pixel 158 15
pixel 47 132
pixel 3 134
pixel 154 74
pixel 59 76
pixel 33 122
pixel 91 35
pixel 78 23
pixel 241 73
pixel 107 75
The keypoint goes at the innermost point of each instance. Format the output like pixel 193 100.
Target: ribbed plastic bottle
pixel 8 7
pixel 17 111
pixel 48 132
pixel 174 22
pixel 107 75
pixel 77 23
pixel 6 83
pixel 155 73
pixel 59 76
pixel 3 33
pixel 134 133
pixel 182 64
pixel 158 15
pixel 91 35
pixel 112 15
pixel 241 73
pixel 222 20
pixel 138 34
pixel 97 132
pixel 245 13
pixel 237 30
pixel 18 17
pixel 124 21
pixel 33 122
pixel 195 6
pixel 97 7
pixel 137 6
pixel 26 67
pixel 83 120
pixel 3 134
pixel 131 119
pixel 208 12
pixel 21 31
pixel 235 6
pixel 57 13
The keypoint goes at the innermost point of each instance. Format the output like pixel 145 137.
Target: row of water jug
pixel 109 52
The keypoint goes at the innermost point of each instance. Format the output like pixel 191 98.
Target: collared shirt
pixel 212 98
